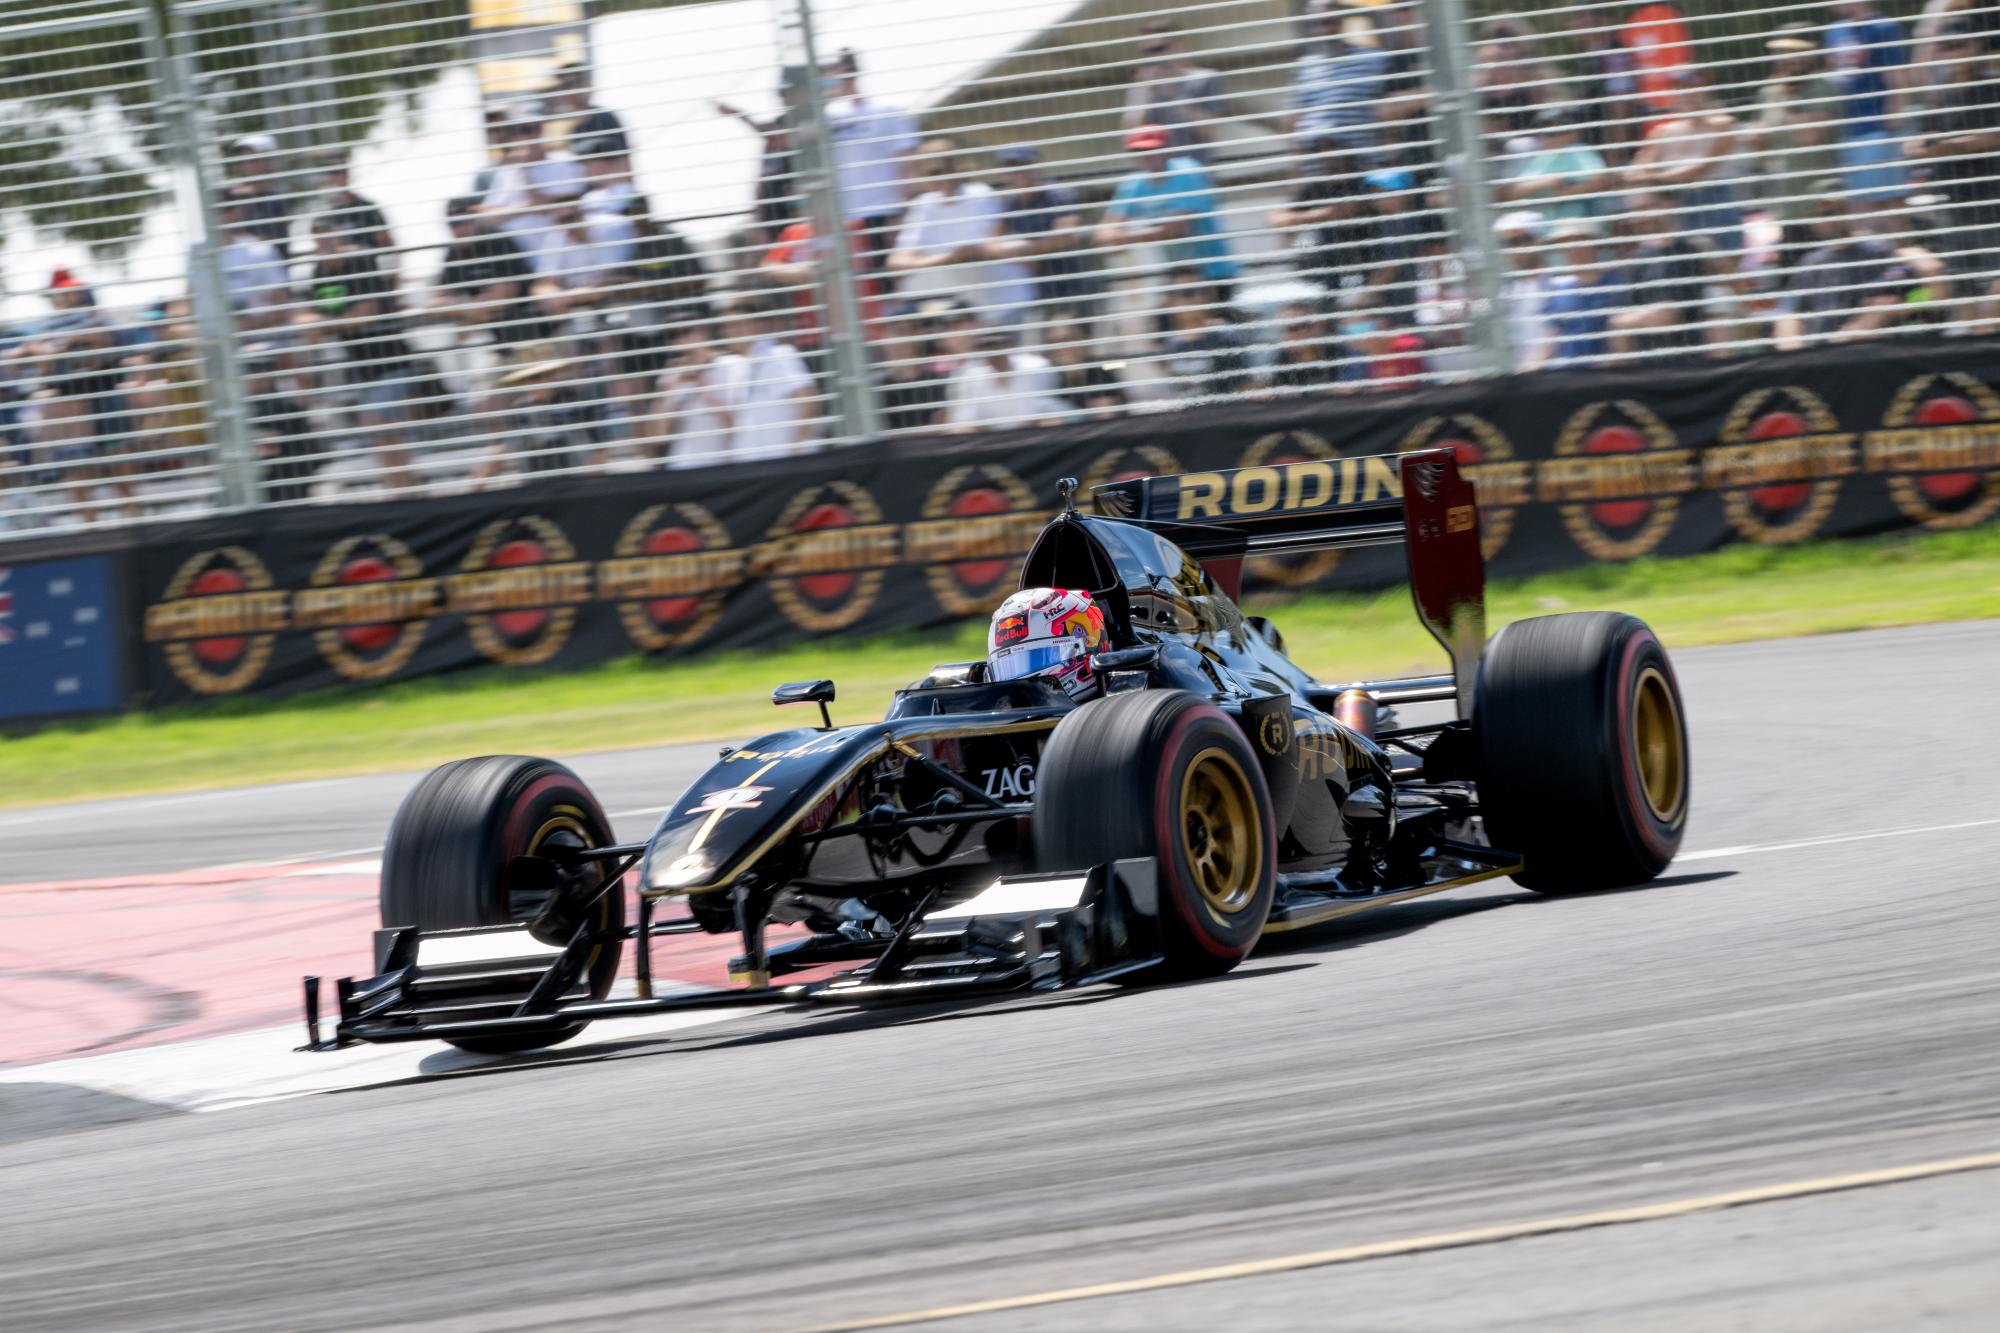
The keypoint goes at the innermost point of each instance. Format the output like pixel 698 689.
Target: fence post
pixel 1455 108
pixel 197 182
pixel 854 389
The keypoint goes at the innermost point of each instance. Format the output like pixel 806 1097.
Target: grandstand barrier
pixel 1571 467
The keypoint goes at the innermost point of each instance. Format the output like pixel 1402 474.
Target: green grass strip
pixel 1740 593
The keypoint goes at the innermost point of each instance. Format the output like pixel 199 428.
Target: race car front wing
pixel 1031 932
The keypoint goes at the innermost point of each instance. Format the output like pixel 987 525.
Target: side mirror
pixel 807 692
pixel 1128 659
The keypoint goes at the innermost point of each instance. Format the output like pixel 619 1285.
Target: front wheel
pixel 447 862
pixel 1165 774
pixel 1584 750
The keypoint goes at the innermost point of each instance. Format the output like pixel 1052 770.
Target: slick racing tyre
pixel 1165 774
pixel 1584 749
pixel 446 864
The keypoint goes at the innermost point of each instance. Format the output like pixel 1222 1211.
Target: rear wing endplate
pixel 1421 499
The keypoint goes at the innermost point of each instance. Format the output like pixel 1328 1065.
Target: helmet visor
pixel 1031 659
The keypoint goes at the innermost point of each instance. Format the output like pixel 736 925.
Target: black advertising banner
pixel 1570 467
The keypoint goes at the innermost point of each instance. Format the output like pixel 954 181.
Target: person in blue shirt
pixel 1168 201
pixel 1867 55
pixel 1579 293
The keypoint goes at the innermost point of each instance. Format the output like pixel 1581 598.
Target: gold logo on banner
pixel 671 576
pixel 1501 482
pixel 1777 462
pixel 1127 464
pixel 1282 447
pixel 368 606
pixel 978 521
pixel 1940 448
pixel 1617 476
pixel 827 555
pixel 518 590
pixel 219 618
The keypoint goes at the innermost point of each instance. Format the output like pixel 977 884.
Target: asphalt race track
pixel 1761 1093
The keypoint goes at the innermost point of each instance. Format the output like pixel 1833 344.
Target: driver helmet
pixel 1047 632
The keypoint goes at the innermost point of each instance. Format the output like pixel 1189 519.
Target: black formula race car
pixel 993 836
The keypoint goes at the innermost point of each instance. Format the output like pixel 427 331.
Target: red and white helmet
pixel 1046 632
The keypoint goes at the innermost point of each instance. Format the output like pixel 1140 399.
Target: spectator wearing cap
pixel 941 248
pixel 253 268
pixel 1338 79
pixel 484 281
pixel 1167 201
pixel 1580 291
pixel 1001 384
pixel 1562 178
pixel 569 100
pixel 1528 327
pixel 71 372
pixel 1957 146
pixel 1043 226
pixel 529 183
pixel 367 227
pixel 1868 54
pixel 1327 223
pixel 1401 232
pixel 1793 132
pixel 353 308
pixel 607 174
pixel 1170 91
pixel 873 142
pixel 257 182
pixel 479 307
pixel 1853 285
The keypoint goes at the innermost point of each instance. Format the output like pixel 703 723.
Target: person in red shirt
pixel 793 262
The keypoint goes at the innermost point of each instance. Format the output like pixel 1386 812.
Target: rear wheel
pixel 1168 775
pixel 1583 743
pixel 451 848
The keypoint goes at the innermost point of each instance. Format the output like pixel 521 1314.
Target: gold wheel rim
pixel 1221 834
pixel 1656 740
pixel 568 819
pixel 565 820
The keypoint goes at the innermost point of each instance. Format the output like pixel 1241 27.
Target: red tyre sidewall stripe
pixel 520 813
pixel 1166 836
pixel 1643 822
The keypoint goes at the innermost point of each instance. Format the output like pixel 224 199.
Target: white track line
pixel 1449 1240
pixel 248 1068
pixel 1757 848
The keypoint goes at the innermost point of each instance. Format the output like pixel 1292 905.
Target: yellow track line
pixel 1447 1240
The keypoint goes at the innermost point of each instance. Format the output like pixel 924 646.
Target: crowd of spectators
pixel 1835 178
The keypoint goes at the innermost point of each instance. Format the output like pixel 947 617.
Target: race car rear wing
pixel 1420 499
